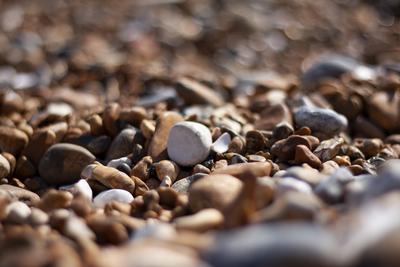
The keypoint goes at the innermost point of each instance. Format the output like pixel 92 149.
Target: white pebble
pixel 285 185
pixel 17 212
pixel 189 143
pixel 116 162
pixel 108 196
pixel 221 145
pixel 81 187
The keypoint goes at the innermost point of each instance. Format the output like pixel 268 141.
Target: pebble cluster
pixel 236 170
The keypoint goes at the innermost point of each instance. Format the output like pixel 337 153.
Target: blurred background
pixel 52 42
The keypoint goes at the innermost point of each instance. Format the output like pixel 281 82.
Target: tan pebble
pixel 108 229
pixel 158 144
pixel 19 193
pixel 258 168
pixel 11 160
pixel 108 176
pixel 134 115
pixel 5 167
pixel 342 160
pixel 204 220
pixel 356 169
pixel 214 191
pixel 110 116
pixel 255 141
pixel 140 186
pixel 304 155
pixel 59 128
pixel 201 169
pixel 166 168
pixel 147 127
pixel 12 140
pixel 168 196
pixel 96 125
pixel 236 145
pixel 329 167
pixel 54 199
pixel 369 147
pixel 256 158
pixel 220 164
pixel 141 169
pixel 166 181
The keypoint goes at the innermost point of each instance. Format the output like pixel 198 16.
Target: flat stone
pixel 206 219
pixel 12 140
pixel 158 144
pixel 325 121
pixel 214 191
pixel 304 155
pixel 63 163
pixel 189 143
pixel 108 196
pixel 285 149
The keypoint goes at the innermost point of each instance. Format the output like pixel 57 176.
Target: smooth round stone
pixel 4 167
pixel 321 120
pixel 189 143
pixel 63 163
pixel 19 193
pixel 214 191
pixel 79 188
pixel 12 140
pixel 107 196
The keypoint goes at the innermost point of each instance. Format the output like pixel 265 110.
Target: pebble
pixel 291 184
pixel 118 195
pixel 332 188
pixel 328 149
pixel 38 144
pixel 304 155
pixel 193 92
pixel 19 193
pixel 182 185
pixel 12 140
pixel 189 143
pixel 17 212
pixel 214 191
pixel 63 163
pixel 116 162
pixel 109 177
pixel 79 188
pixel 285 149
pixel 275 245
pixel 332 66
pixel 221 145
pixel 5 167
pixel 158 145
pixel 325 121
pixel 167 168
pixel 204 220
pixel 122 144
pixel 259 169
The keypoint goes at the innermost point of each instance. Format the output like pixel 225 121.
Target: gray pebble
pixel 325 121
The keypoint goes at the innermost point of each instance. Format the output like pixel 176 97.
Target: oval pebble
pixel 63 163
pixel 4 167
pixel 107 196
pixel 189 143
pixel 321 120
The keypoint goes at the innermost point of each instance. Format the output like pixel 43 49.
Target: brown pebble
pixel 12 140
pixel 285 149
pixel 54 199
pixel 255 141
pixel 158 144
pixel 166 168
pixel 24 168
pixel 38 144
pixel 304 155
pixel 214 191
pixel 96 125
pixel 147 127
pixel 141 169
pixel 19 193
pixel 204 220
pixel 369 147
pixel 328 149
pixel 236 145
pixel 258 168
pixel 108 176
pixel 110 117
pixel 11 160
pixel 201 169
